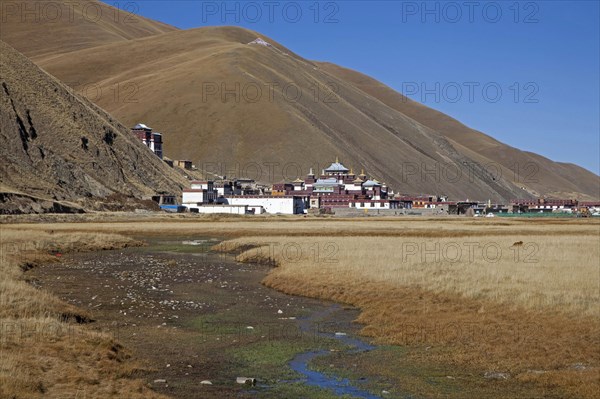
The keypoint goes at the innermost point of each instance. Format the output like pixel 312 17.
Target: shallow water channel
pixel 300 363
pixel 161 298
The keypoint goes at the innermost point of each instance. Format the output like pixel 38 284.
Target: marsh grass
pixel 537 321
pixel 529 309
pixel 46 350
pixel 553 273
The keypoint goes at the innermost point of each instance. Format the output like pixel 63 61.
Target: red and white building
pixel 338 187
pixel 149 138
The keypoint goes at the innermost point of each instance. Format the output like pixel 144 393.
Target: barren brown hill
pixel 539 173
pixel 45 28
pixel 60 152
pixel 233 107
pixel 181 78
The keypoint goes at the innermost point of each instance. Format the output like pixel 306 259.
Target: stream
pixel 178 292
pixel 300 363
pixel 341 386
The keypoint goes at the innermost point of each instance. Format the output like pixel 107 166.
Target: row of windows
pixel 362 204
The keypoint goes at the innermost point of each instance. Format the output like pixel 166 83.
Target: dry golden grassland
pixel 519 297
pixel 545 272
pixel 46 351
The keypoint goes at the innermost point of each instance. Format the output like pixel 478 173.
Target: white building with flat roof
pixel 220 208
pixel 285 205
pixel 208 197
pixel 200 192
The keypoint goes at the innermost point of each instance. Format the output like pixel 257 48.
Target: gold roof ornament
pixel 337 160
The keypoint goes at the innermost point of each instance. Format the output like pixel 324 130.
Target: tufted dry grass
pixel 525 303
pixel 46 350
pixel 534 316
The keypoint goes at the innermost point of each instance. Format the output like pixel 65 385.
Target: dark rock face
pixel 60 153
pixel 16 204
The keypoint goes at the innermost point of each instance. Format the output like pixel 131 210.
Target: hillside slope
pixel 41 28
pixel 61 152
pixel 283 111
pixel 541 174
pixel 234 107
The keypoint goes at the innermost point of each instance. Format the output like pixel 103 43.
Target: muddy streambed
pixel 196 320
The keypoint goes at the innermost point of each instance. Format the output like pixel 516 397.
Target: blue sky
pixel 526 73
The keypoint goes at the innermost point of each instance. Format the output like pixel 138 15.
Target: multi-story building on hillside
pixel 152 140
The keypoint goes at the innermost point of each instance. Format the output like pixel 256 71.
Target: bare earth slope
pixel 283 110
pixel 547 177
pixel 41 28
pixel 60 151
pixel 234 107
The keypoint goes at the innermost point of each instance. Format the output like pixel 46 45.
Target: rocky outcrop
pixel 61 153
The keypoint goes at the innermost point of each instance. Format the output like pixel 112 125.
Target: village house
pixel 338 187
pixel 149 138
pixel 240 196
pixel 200 192
pixel 183 164
pixel 542 205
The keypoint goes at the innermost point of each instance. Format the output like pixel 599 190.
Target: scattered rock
pixel 246 380
pixel 536 371
pixel 193 242
pixel 493 375
pixel 260 42
pixel 160 381
pixel 205 382
pixel 340 334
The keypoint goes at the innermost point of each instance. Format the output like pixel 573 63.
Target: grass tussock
pixel 522 304
pixel 529 310
pixel 46 350
pixel 544 274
